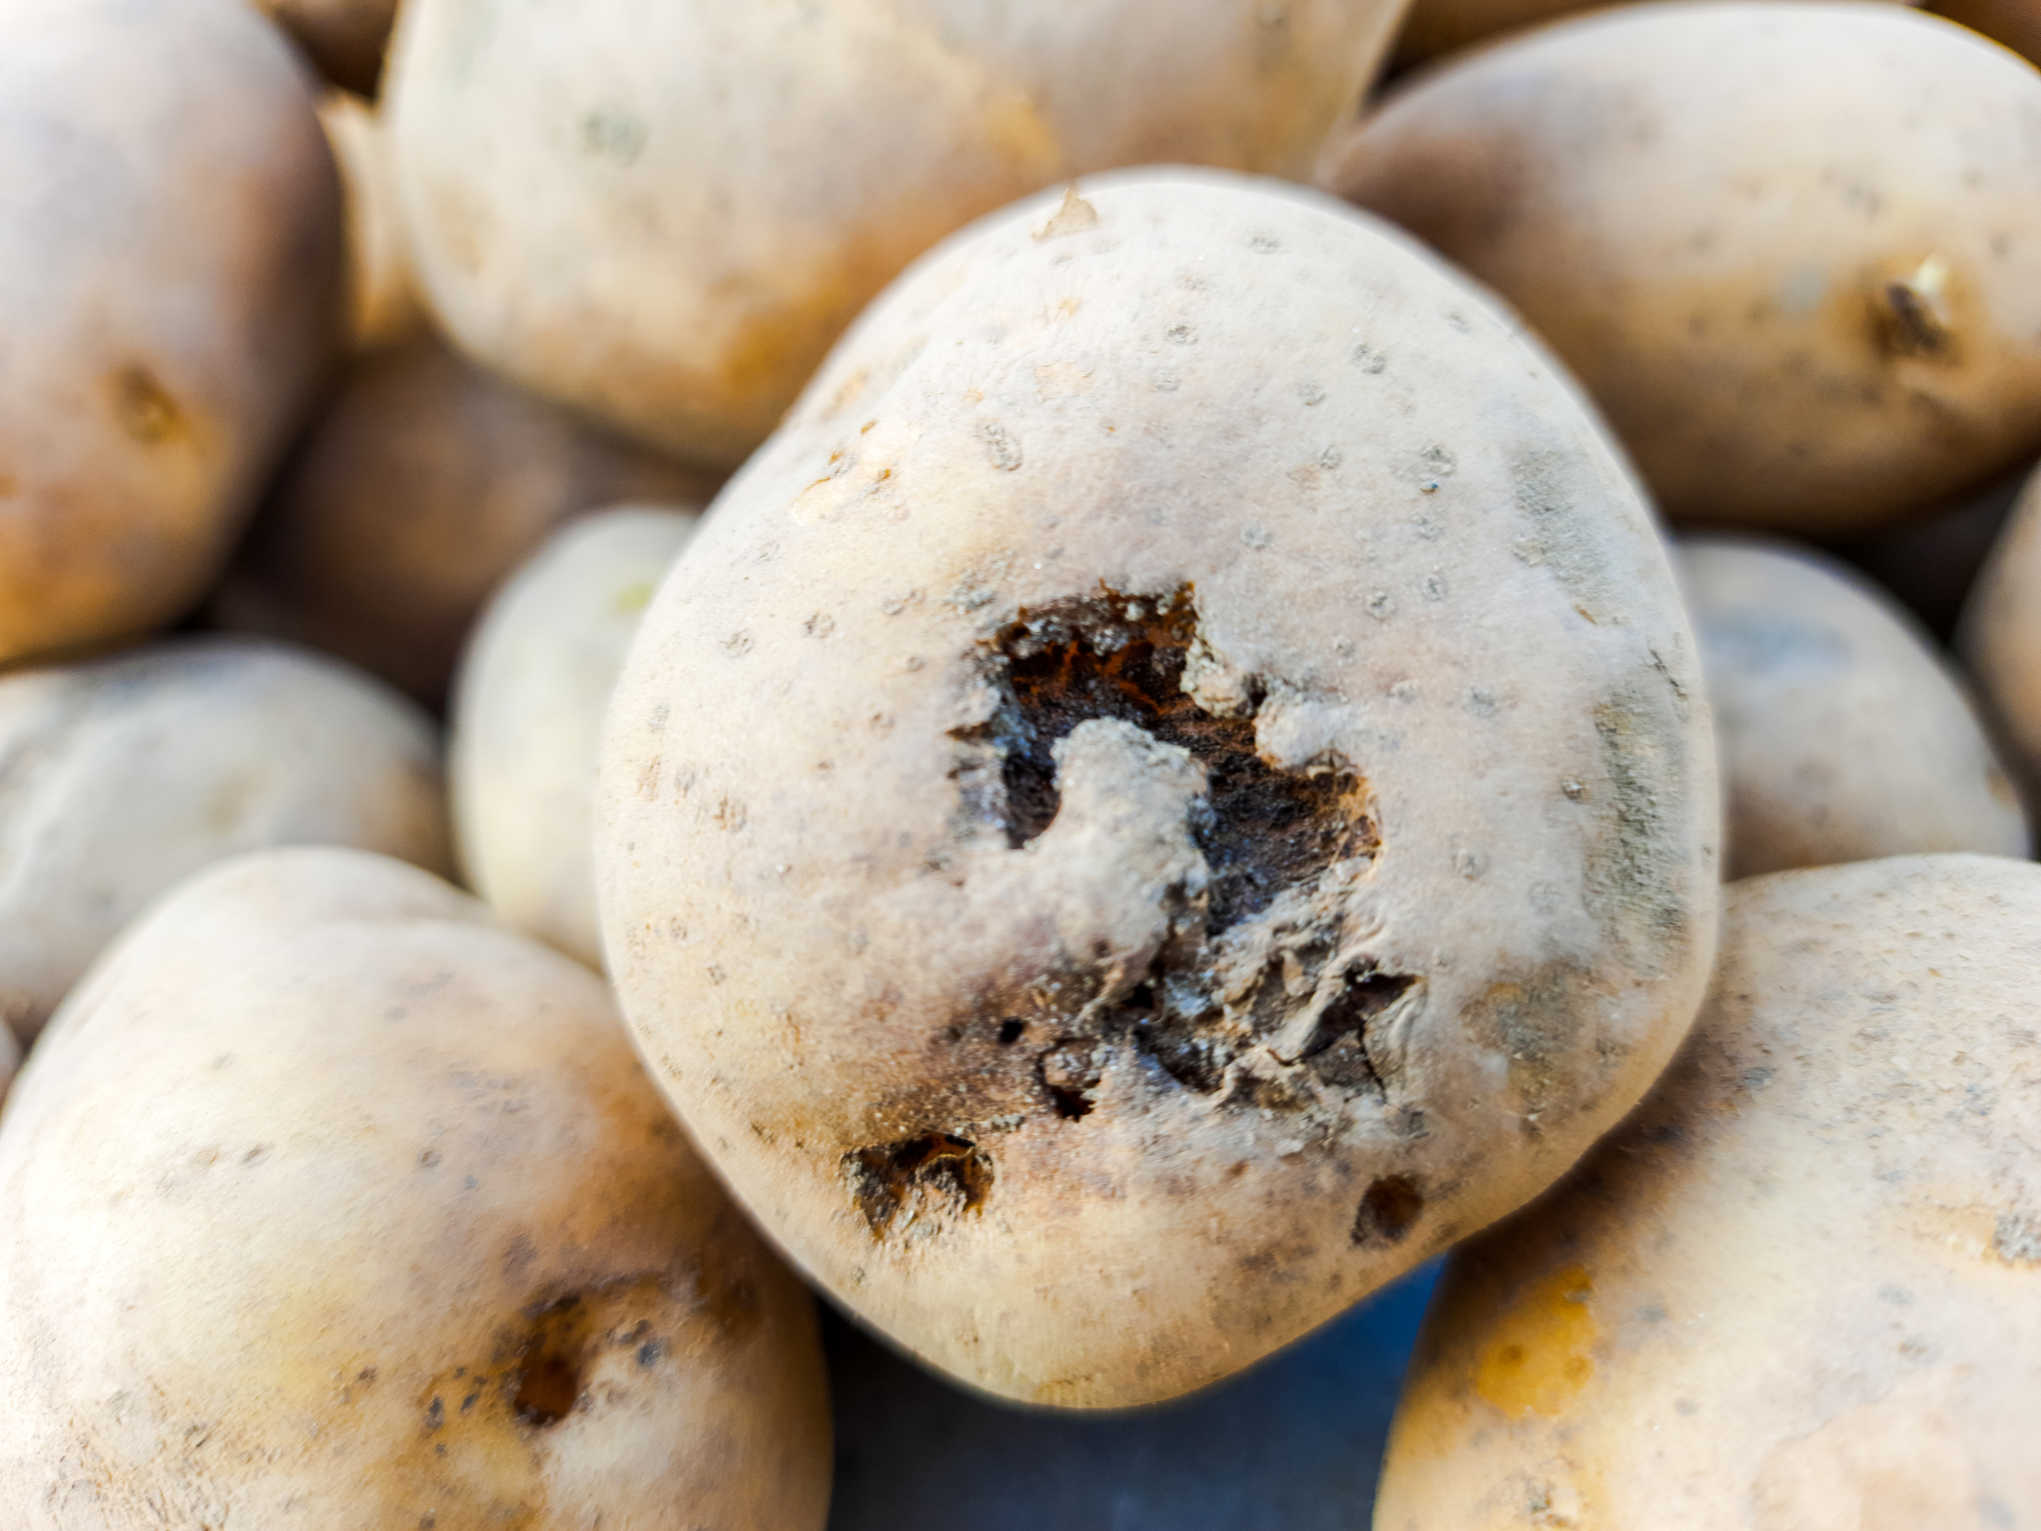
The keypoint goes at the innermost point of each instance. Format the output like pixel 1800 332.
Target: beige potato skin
pixel 426 482
pixel 1436 27
pixel 527 718
pixel 317 1177
pixel 120 777
pixel 1794 1292
pixel 665 212
pixel 1999 635
pixel 382 300
pixel 1786 246
pixel 1240 408
pixel 1844 736
pixel 345 38
pixel 170 238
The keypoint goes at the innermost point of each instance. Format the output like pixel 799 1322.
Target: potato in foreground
pixel 664 211
pixel 1786 245
pixel 170 256
pixel 1795 1291
pixel 1844 737
pixel 2000 634
pixel 330 1203
pixel 425 483
pixel 527 718
pixel 123 776
pixel 1173 788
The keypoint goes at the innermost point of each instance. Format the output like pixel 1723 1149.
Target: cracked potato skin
pixel 1173 788
pixel 170 258
pixel 334 1205
pixel 663 212
pixel 1787 245
pixel 1795 1290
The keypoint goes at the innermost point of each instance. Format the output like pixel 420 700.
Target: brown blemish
pixel 936 1175
pixel 1911 314
pixel 549 1373
pixel 1074 216
pixel 1541 1354
pixel 1388 1212
pixel 144 408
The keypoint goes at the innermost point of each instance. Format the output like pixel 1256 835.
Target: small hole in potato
pixel 549 1377
pixel 1010 1031
pixel 1388 1212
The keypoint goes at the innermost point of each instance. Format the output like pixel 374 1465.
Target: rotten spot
pixel 1337 1049
pixel 937 1173
pixel 1070 1072
pixel 1260 829
pixel 1387 1212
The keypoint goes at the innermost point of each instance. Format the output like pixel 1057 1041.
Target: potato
pixel 120 777
pixel 345 38
pixel 664 211
pixel 2000 635
pixel 2016 23
pixel 1787 246
pixel 382 303
pixel 1844 737
pixel 1170 790
pixel 333 1204
pixel 169 281
pixel 425 484
pixel 527 715
pixel 1795 1292
pixel 1434 27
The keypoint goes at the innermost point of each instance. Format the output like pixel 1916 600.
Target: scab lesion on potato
pixel 1109 655
pixel 924 1180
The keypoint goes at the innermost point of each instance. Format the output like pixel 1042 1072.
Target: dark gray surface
pixel 1293 1445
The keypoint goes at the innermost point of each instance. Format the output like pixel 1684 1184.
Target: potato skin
pixel 332 1204
pixel 1794 1292
pixel 119 777
pixel 170 234
pixel 424 484
pixel 664 211
pixel 1786 246
pixel 1436 27
pixel 527 718
pixel 1844 736
pixel 382 299
pixel 1153 1104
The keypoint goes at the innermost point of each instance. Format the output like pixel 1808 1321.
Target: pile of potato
pixel 1104 674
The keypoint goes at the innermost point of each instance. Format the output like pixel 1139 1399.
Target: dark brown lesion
pixel 937 1172
pixel 1910 314
pixel 1261 829
pixel 1388 1212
